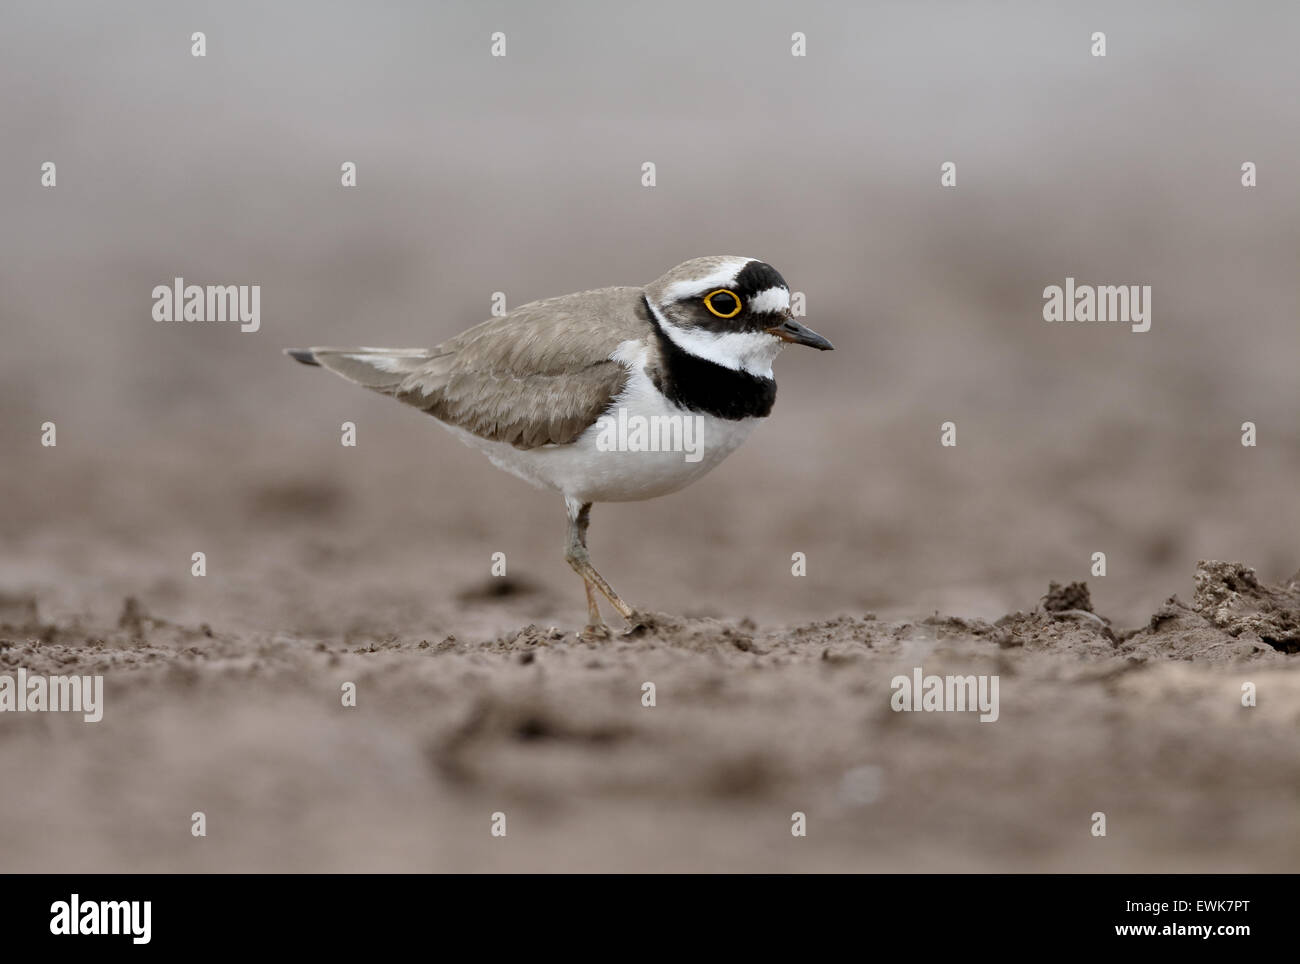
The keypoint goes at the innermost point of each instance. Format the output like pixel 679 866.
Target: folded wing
pixel 540 375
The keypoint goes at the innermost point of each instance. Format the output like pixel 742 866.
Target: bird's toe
pixel 593 632
pixel 639 624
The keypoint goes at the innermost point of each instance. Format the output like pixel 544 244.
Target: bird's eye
pixel 723 303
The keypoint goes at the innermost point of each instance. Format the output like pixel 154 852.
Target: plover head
pixel 732 311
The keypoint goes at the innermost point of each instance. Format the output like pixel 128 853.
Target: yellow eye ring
pixel 708 303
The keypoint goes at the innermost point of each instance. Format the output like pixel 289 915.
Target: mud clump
pixel 1063 598
pixel 1064 620
pixel 1230 596
pixel 1233 616
pixel 528 638
pixel 133 618
pixel 701 634
pixel 1073 630
pixel 19 618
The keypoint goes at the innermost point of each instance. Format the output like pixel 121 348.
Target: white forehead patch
pixel 723 277
pixel 772 301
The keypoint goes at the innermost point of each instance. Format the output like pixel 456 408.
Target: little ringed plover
pixel 530 388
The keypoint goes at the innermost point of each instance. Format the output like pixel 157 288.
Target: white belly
pixel 590 470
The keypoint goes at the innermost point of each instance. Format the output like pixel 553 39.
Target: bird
pixel 543 389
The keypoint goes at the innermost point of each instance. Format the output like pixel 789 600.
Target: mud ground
pixel 751 723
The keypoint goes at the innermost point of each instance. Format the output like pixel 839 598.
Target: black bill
pixel 795 333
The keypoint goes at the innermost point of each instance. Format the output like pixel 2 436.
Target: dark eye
pixel 723 303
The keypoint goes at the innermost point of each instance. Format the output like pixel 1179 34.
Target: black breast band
pixel 699 385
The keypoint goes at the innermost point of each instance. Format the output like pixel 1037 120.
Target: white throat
pixel 744 351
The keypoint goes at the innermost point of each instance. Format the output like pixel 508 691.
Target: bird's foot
pixel 593 632
pixel 639 624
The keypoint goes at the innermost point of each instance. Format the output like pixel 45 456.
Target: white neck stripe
pixel 743 351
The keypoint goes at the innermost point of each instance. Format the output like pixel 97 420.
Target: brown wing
pixel 539 375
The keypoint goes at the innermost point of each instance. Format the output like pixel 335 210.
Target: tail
pixel 380 369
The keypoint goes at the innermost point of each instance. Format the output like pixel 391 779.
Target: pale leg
pixel 575 554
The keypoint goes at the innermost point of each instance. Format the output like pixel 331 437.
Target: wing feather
pixel 539 375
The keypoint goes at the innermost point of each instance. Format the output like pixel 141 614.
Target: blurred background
pixel 522 174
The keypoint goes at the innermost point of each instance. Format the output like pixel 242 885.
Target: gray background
pixel 522 175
